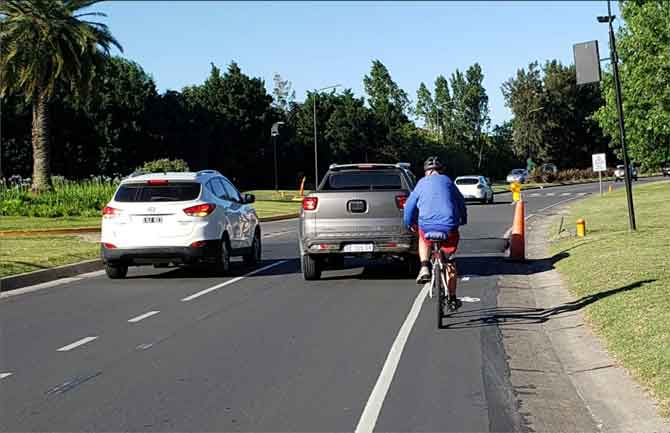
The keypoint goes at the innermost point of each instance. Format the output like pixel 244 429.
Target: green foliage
pixel 164 165
pixel 643 45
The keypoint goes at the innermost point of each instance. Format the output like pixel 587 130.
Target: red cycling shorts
pixel 449 246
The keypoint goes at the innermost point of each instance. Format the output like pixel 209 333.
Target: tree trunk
pixel 41 145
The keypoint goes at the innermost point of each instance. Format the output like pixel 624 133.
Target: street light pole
pixel 614 58
pixel 316 148
pixel 274 132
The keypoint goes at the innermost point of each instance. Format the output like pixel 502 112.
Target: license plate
pixel 153 220
pixel 359 248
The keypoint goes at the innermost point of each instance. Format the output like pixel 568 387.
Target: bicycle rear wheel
pixel 438 290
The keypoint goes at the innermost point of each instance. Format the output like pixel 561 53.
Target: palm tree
pixel 44 43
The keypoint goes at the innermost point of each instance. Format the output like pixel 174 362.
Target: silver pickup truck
pixel 357 211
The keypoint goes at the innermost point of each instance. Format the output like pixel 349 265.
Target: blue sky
pixel 316 44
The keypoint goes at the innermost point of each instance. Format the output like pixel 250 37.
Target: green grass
pixel 272 195
pixel 266 209
pixel 38 223
pixel 27 254
pixel 635 323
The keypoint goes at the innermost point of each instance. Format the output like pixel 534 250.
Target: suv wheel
pixel 116 272
pixel 254 255
pixel 223 261
pixel 311 268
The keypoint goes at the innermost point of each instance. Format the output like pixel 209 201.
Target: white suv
pixel 178 218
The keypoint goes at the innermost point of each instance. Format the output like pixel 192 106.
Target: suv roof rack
pixel 138 173
pixel 364 165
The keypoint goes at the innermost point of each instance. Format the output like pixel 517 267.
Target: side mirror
pixel 249 198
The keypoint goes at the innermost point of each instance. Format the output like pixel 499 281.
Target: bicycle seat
pixel 436 236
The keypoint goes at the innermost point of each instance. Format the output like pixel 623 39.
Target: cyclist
pixel 441 208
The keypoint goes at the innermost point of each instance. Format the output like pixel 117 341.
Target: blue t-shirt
pixel 440 205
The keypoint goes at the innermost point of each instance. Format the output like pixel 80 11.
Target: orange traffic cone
pixel 517 249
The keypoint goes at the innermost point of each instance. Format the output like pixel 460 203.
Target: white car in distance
pixel 178 218
pixel 475 188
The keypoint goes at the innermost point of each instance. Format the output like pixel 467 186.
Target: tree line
pixel 81 113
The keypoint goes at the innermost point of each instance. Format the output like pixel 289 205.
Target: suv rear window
pixel 467 181
pixel 363 180
pixel 140 192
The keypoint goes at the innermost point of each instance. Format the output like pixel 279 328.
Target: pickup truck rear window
pixel 181 191
pixel 363 180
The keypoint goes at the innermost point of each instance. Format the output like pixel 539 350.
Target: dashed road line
pixel 566 194
pixel 77 344
pixel 550 194
pixel 233 281
pixel 368 420
pixel 143 316
pixel 5 375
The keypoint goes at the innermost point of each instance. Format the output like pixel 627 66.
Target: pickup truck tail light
pixel 400 201
pixel 310 203
pixel 200 210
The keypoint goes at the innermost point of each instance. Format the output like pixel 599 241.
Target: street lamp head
pixel 606 18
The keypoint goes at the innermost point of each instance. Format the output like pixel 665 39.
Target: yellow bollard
pixel 610 189
pixel 515 187
pixel 581 228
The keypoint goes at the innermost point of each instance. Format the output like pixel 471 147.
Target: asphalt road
pixel 175 350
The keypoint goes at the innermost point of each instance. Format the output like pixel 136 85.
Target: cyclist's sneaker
pixel 424 275
pixel 454 303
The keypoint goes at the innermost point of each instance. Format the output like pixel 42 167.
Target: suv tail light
pixel 110 212
pixel 200 210
pixel 400 201
pixel 310 203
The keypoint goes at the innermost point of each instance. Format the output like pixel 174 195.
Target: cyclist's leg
pixel 424 255
pixel 449 247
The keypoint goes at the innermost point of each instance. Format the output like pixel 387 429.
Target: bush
pixel 164 165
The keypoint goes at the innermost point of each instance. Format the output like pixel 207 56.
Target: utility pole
pixel 614 58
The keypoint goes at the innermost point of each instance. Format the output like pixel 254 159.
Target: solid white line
pixel 49 284
pixel 373 407
pixel 143 316
pixel 565 194
pixel 77 344
pixel 465 278
pixel 229 282
pixel 4 375
pixel 550 194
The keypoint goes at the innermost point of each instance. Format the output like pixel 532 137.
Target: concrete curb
pixel 32 278
pixel 81 230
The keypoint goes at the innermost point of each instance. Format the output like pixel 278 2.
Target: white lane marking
pixel 4 375
pixel 366 423
pixel 465 278
pixel 77 344
pixel 233 281
pixel 537 194
pixel 550 194
pixel 272 235
pixel 583 193
pixel 143 316
pixel 565 194
pixel 49 284
pixel 469 299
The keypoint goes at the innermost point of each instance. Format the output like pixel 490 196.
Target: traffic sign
pixel 599 162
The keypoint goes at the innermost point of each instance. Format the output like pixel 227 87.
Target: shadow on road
pixel 506 316
pixel 237 269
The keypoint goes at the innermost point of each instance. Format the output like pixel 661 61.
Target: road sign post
pixel 599 164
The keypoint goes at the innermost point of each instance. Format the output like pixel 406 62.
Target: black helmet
pixel 432 163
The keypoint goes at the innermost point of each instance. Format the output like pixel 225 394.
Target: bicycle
pixel 439 281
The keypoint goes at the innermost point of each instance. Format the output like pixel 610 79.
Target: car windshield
pixel 140 192
pixel 363 180
pixel 467 181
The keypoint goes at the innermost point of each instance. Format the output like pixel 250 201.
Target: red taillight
pixel 310 203
pixel 200 210
pixel 400 201
pixel 110 212
pixel 199 244
pixel 108 246
pixel 157 182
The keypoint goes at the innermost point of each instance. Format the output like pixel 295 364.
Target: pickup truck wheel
pixel 116 272
pixel 311 268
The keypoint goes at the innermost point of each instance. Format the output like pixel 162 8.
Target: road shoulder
pixel 563 378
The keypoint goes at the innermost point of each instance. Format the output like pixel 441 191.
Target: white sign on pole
pixel 599 162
